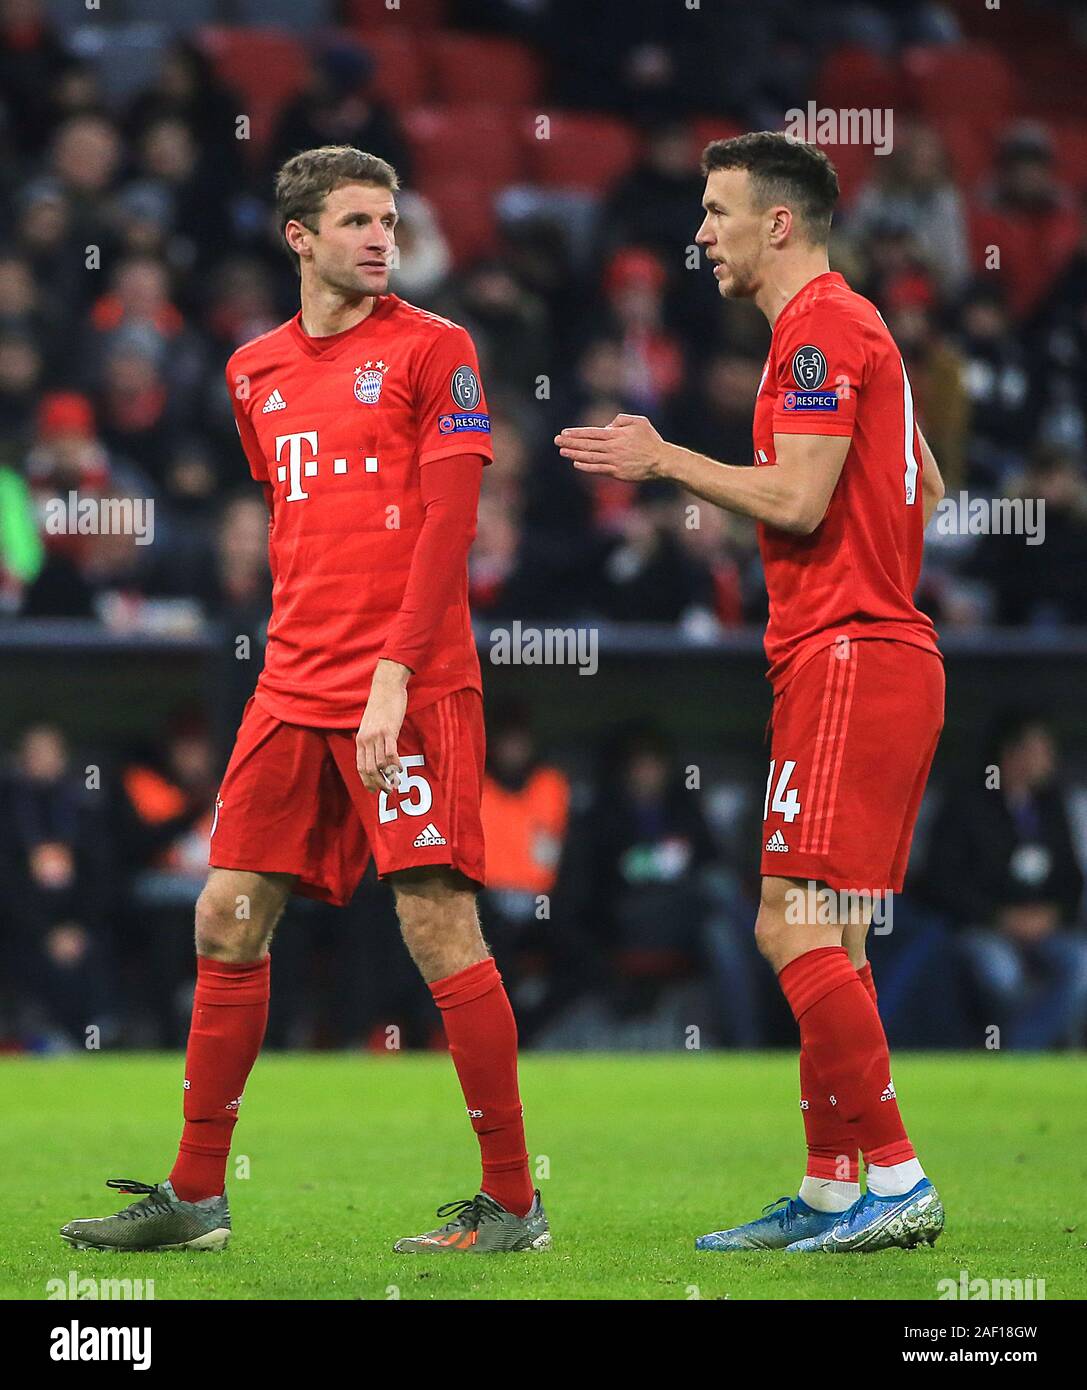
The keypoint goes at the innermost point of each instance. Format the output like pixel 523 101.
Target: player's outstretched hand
pixel 376 757
pixel 629 448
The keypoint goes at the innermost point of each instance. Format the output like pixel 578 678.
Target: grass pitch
pixel 635 1155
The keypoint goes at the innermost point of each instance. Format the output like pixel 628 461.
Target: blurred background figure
pixel 58 861
pixel 526 810
pixel 1002 863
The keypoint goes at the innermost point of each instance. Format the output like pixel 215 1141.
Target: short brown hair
pixel 306 179
pixel 783 170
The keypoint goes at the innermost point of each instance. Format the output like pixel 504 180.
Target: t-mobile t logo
pixel 296 468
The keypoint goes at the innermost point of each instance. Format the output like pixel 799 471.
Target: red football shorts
pixel 292 802
pixel 854 733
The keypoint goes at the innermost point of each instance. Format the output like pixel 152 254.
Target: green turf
pixel 642 1153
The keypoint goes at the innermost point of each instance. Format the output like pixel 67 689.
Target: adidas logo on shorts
pixel 777 842
pixel 889 1092
pixel 428 837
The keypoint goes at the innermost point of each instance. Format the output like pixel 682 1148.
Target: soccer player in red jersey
pixel 842 487
pixel 364 420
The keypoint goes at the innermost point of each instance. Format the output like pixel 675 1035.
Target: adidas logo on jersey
pixel 428 837
pixel 889 1092
pixel 274 402
pixel 777 842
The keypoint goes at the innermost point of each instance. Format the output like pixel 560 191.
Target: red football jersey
pixel 340 427
pixel 833 368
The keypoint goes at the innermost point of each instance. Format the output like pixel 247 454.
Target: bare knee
pixel 236 914
pixel 439 922
pixel 770 922
pixel 788 923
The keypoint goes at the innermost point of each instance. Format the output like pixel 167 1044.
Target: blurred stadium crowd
pixel 548 153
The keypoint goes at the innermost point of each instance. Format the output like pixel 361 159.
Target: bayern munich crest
pixel 368 379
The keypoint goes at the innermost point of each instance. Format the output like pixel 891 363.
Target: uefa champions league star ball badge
pixel 368 379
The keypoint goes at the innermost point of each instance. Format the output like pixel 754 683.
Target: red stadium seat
pixel 973 82
pixel 1070 152
pixel 1053 81
pixel 266 67
pixel 412 14
pixel 970 151
pixel 581 151
pixel 472 68
pixel 856 77
pixel 466 215
pixel 707 128
pixel 856 164
pixel 479 144
pixel 403 66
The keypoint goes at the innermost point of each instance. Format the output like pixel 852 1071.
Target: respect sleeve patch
pixel 460 421
pixel 809 400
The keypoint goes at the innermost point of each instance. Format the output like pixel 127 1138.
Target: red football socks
pixel 842 1040
pixel 229 1016
pixel 482 1035
pixel 832 1146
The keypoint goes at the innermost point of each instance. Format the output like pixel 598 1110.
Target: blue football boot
pixel 778 1226
pixel 882 1223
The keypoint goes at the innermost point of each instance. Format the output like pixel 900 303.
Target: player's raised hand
pixel 376 757
pixel 629 448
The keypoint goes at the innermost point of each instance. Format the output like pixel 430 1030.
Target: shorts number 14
pixel 785 799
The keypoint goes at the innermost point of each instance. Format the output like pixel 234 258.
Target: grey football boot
pixel 480 1226
pixel 160 1220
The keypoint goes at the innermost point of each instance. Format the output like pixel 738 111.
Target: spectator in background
pixel 167 809
pixel 1001 862
pixel 59 887
pixel 725 545
pixel 645 839
pixel 194 190
pixel 65 455
pixel 651 356
pixel 423 252
pixel 139 306
pixel 525 810
pixel 241 304
pixel 23 309
pixel 657 203
pixel 715 413
pixel 133 400
pixel 46 238
pixel 1029 216
pixel 187 89
pixel 32 59
pixel 1059 349
pixel 1043 584
pixel 338 108
pixel 83 565
pixel 1003 402
pixel 21 370
pixel 650 576
pixel 86 157
pixel 913 189
pixel 21 551
pixel 510 319
pixel 937 374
